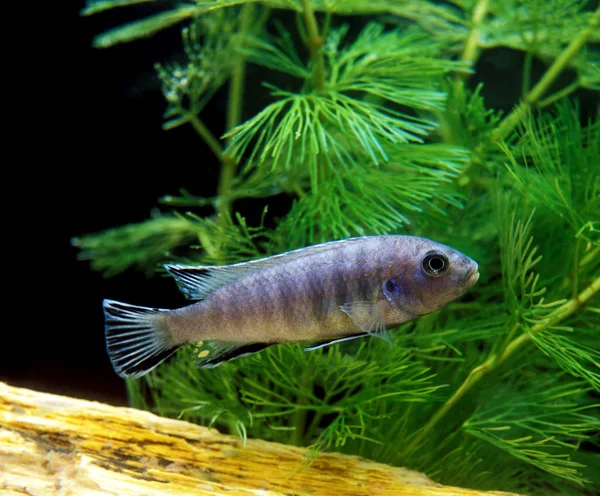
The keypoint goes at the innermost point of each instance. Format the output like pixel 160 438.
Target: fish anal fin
pixel 367 315
pixel 210 354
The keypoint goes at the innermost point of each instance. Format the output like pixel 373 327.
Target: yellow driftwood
pixel 56 445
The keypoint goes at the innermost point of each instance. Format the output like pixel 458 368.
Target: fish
pixel 318 295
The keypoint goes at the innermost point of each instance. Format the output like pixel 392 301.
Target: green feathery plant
pixel 372 128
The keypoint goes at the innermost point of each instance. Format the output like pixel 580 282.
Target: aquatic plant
pixel 377 130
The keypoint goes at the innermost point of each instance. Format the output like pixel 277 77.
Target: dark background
pixel 91 155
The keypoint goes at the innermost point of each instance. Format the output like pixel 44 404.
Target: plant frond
pixel 441 21
pixel 181 391
pixel 466 462
pixel 485 323
pixel 149 26
pixel 590 75
pixel 467 121
pixel 524 295
pixel 352 385
pixel 275 386
pixel 277 53
pixel 545 27
pixel 572 356
pixel 389 64
pixel 311 131
pixel 536 26
pixel 226 239
pixel 141 245
pixel 96 6
pixel 542 430
pixel 358 113
pixel 208 43
pixel 144 244
pixel 417 180
pixel 342 429
pixel 519 257
pixel 547 161
pixel 144 27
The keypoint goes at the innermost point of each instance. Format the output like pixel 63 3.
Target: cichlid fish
pixel 321 294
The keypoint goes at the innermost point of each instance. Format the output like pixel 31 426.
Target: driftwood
pixel 56 445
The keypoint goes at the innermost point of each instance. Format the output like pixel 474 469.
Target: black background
pixel 88 153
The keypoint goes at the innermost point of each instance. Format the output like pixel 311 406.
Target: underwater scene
pixel 379 234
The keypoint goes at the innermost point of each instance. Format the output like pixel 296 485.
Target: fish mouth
pixel 470 279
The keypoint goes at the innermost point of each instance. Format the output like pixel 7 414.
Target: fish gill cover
pixel 371 125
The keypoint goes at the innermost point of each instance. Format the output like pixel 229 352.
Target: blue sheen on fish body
pixel 393 285
pixel 341 290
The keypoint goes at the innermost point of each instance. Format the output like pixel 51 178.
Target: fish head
pixel 429 276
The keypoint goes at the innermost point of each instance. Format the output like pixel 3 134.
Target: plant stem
pixel 314 42
pixel 590 256
pixel 542 86
pixel 234 116
pixel 224 202
pixel 310 433
pixel 207 136
pixel 470 54
pixel 299 191
pixel 299 426
pixel 238 76
pixel 300 415
pixel 479 372
pixel 567 90
pixel 471 50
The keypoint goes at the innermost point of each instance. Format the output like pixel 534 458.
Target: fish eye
pixel 435 264
pixel 390 286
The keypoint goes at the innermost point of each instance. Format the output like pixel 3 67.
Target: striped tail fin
pixel 137 338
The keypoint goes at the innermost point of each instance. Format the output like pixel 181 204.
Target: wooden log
pixel 57 445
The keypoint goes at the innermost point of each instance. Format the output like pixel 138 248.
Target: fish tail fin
pixel 137 338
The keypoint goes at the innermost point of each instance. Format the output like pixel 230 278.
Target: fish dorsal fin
pixel 367 315
pixel 198 282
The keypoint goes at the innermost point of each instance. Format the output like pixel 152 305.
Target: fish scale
pixel 316 295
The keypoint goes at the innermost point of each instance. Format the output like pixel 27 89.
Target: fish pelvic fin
pixel 322 344
pixel 210 354
pixel 137 338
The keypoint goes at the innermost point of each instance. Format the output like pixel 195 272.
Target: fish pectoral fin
pixel 385 335
pixel 210 354
pixel 322 344
pixel 368 315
